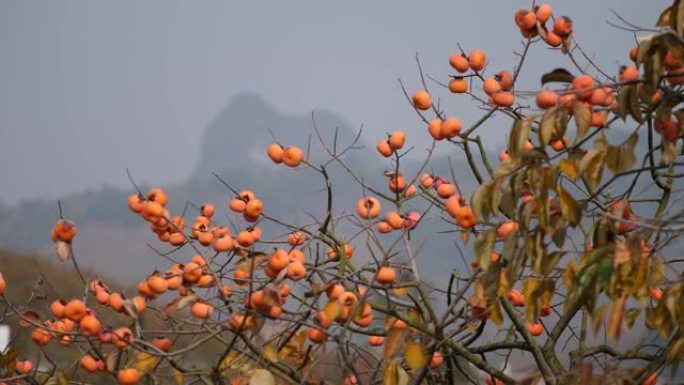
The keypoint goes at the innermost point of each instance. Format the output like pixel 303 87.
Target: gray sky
pixel 88 88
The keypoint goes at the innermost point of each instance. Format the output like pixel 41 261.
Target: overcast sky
pixel 88 88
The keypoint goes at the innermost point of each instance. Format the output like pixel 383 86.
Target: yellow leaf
pixel 229 361
pixel 617 315
pixel 394 374
pixel 145 362
pixel 178 376
pixel 415 355
pixel 333 309
pixel 271 352
pixel 394 341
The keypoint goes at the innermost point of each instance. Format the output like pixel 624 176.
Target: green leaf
pixel 570 209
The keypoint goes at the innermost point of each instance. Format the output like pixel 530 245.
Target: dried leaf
pixel 144 362
pixel 394 342
pixel 63 250
pixel 570 209
pixel 569 167
pixel 615 319
pixel 582 119
pixel 179 303
pixel 394 374
pixel 271 352
pixel 558 75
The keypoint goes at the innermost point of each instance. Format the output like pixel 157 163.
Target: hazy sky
pixel 88 88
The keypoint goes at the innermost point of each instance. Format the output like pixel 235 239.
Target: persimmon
pixel 503 99
pixel 584 83
pixel 223 243
pixel 334 291
pixel 158 195
pixel 174 277
pixel 89 364
pixel 296 270
pixel 65 230
pixel 128 376
pixel 426 180
pixel 568 100
pixel 559 144
pixel 227 290
pixel 206 281
pixel 656 293
pixel 350 380
pixel 507 228
pixel 491 86
pixel 396 183
pixel 386 275
pixel 477 60
pixel 237 205
pixel 153 210
pixel 157 284
pixel 397 140
pixel 57 308
pixel 276 152
pixel 90 326
pixel 504 155
pixel 399 324
pixel 241 275
pixel 422 100
pixel 122 337
pixel 446 190
pixel 376 340
pixel 545 310
pixel 368 207
pixel 201 310
pixel 628 73
pixel 240 322
pixel 535 329
pixel 75 310
pixel 293 156
pixel 411 220
pixel 525 19
pixel 562 26
pixel 458 85
pixel 435 129
pixel 102 297
pixel 516 298
pixel 553 39
pixel 602 96
pixel 667 127
pixel 505 79
pixel 296 238
pixel 410 191
pixel 491 380
pixel 436 360
pixel 40 336
pixel 384 148
pixel 162 343
pixel 192 272
pixel 547 99
pixel 23 367
pixel 450 127
pixel 394 220
pixel 254 208
pixel 136 203
pixel 598 119
pixel 278 260
pixel 296 255
pixel 317 336
pixel 116 302
pixel 543 12
pixel 459 62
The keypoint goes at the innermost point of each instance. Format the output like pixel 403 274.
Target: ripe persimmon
pixel 598 119
pixel 128 376
pixel 394 220
pixel 507 228
pixel 201 310
pixel 153 210
pixel 435 129
pixel 525 19
pixel 162 343
pixel 535 329
pixel 158 195
pixel 254 208
pixel 446 190
pixel 396 183
pixel 276 152
pixel 278 260
pixel 206 281
pixel 505 79
pixel 240 322
pixel 562 26
pixel 102 297
pixel 436 360
pixel 386 275
pixel 136 203
pixel 317 336
pixel 671 63
pixel 477 60
pixel 157 284
pixel 553 39
pixel 65 230
pixel 450 127
pixel 296 270
pixel 503 99
pixel 376 340
pixel 90 326
pixel 296 238
pixel 543 12
pixel 397 140
pixel 89 364
pixel 192 272
pixel 656 293
pixel 40 336
pixel 223 242
pixel 384 148
pixel 422 100
pixel 292 156
pixel 75 310
pixel 459 62
pixel 23 367
pixel 368 207
pixel 547 99
pixel 122 337
pixel 57 308
pixel 491 86
pixel 583 83
pixel 458 85
pixel 628 73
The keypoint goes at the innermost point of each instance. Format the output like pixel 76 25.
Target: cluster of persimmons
pixel 253 278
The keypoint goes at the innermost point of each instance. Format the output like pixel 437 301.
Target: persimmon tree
pixel 565 252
